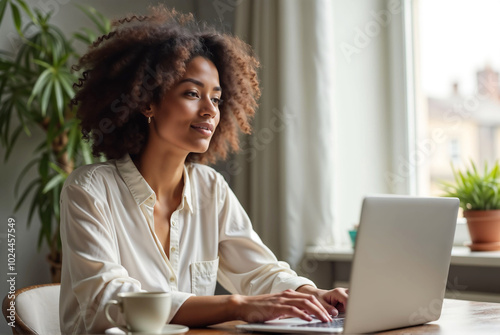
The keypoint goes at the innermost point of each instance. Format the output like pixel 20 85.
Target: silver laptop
pixel 399 271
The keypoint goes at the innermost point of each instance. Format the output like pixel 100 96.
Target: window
pixel 457 65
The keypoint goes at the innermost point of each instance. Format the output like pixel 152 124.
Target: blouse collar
pixel 140 189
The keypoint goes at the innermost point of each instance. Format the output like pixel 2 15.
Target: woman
pixel 153 217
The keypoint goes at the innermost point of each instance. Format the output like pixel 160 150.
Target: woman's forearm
pixel 207 310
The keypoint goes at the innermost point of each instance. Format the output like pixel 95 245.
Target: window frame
pixel 413 98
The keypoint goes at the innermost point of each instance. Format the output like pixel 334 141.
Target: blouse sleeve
pixel 247 266
pixel 91 264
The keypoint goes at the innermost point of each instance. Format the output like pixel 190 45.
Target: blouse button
pixel 173 223
pixel 172 249
pixel 172 279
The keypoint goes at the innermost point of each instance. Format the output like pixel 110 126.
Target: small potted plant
pixel 353 232
pixel 479 195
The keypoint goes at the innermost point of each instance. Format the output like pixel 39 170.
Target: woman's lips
pixel 204 129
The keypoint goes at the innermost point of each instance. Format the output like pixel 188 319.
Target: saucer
pixel 167 330
pixel 494 246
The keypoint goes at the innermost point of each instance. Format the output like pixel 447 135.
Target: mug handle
pixel 110 319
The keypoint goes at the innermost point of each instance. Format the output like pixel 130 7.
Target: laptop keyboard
pixel 336 323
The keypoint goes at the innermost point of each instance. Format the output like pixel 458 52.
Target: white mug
pixel 144 312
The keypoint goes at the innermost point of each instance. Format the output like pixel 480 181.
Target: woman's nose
pixel 208 108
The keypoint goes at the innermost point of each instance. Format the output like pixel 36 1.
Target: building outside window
pixel 457 52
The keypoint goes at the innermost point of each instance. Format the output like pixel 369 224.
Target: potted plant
pixel 36 87
pixel 479 195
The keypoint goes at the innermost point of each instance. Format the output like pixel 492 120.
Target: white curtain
pixel 284 174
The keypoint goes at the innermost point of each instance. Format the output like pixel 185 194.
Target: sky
pixel 457 38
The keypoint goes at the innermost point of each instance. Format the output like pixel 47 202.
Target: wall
pixel 363 107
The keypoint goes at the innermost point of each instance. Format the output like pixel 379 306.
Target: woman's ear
pixel 148 112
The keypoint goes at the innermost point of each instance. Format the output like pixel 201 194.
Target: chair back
pixel 33 310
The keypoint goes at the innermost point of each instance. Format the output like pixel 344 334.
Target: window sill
pixel 459 255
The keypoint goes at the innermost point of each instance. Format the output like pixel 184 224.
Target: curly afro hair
pixel 132 67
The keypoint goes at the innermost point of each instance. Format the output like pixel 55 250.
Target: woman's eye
pixel 192 94
pixel 216 101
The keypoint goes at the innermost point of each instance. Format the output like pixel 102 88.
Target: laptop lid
pixel 400 267
pixel 401 262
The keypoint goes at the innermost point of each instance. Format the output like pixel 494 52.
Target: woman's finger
pixel 293 311
pixel 335 300
pixel 309 303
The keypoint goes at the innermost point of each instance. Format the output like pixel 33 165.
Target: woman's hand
pixel 334 301
pixel 304 302
pixel 288 303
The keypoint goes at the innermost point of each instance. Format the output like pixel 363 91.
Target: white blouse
pixel 109 244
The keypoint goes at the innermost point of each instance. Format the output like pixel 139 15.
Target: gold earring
pixel 149 119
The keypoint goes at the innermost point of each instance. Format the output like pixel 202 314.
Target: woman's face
pixel 188 114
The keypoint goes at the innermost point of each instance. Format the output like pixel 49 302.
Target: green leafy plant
pixel 476 190
pixel 36 88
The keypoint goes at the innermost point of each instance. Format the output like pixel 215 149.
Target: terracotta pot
pixel 484 226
